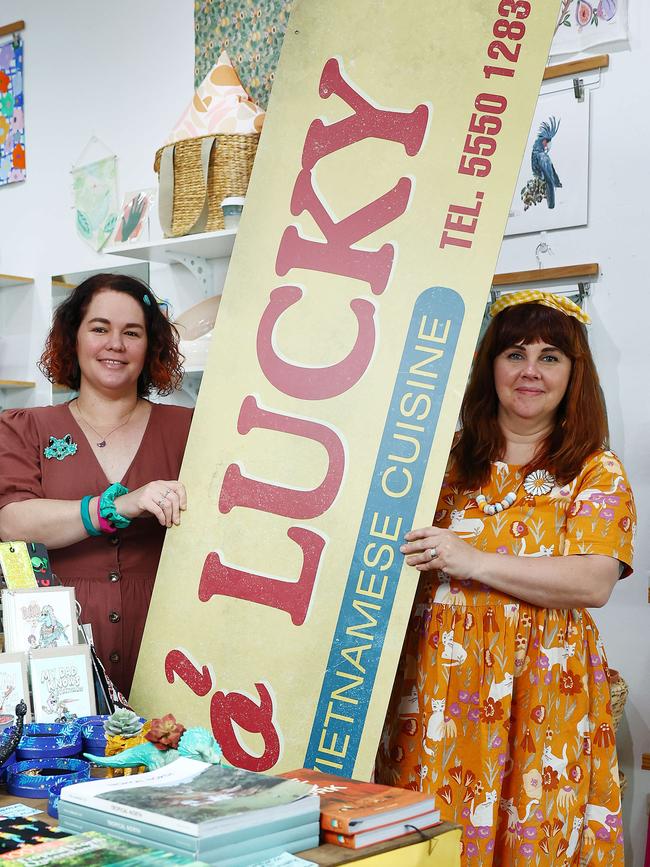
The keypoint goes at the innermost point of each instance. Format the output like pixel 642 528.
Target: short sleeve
pixel 20 465
pixel 601 516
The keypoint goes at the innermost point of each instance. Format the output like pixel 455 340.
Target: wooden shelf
pixel 541 275
pixel 13 280
pixel 16 383
pixel 207 245
pixel 573 67
pixel 645 761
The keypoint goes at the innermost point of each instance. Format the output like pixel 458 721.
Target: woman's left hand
pixel 450 554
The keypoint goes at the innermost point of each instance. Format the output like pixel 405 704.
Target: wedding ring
pixel 160 501
pixel 168 491
pixel 432 553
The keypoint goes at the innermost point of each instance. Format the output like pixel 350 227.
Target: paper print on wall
pixel 12 120
pixel 62 684
pixel 95 200
pixel 584 24
pixel 13 687
pixel 552 187
pixel 133 217
pixel 251 31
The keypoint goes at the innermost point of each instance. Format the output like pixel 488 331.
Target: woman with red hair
pixel 506 676
pixel 96 479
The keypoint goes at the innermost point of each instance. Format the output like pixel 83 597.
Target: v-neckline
pixel 92 451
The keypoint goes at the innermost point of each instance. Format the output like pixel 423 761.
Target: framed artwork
pixel 585 24
pixel 12 119
pixel 62 684
pixel 13 687
pixel 133 216
pixel 39 619
pixel 553 183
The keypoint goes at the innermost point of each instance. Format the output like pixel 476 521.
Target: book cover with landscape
pixel 195 797
pixel 350 806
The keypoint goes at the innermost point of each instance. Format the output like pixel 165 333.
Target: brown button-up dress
pixel 113 576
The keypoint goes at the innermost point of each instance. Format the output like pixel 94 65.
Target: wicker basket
pixel 196 204
pixel 618 690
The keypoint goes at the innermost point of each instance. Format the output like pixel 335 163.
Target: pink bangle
pixel 104 525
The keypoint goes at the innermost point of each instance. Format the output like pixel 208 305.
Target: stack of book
pixel 356 814
pixel 94 850
pixel 216 813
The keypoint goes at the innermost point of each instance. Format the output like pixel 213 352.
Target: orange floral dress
pixel 502 709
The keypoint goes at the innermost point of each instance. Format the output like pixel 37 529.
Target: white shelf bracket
pixel 202 269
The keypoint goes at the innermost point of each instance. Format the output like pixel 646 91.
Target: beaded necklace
pixel 537 483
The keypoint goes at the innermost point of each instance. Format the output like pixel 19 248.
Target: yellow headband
pixel 535 296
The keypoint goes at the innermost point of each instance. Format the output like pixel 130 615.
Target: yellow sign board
pixel 340 355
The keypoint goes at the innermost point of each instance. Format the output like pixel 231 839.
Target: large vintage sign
pixel 350 315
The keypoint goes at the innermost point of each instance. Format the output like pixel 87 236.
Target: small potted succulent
pixel 124 729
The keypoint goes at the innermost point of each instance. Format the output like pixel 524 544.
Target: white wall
pixel 124 71
pixel 618 237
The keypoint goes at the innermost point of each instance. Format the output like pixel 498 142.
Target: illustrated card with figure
pixel 62 685
pixel 13 687
pixel 37 619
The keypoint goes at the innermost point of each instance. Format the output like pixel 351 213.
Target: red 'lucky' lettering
pixel 336 255
pixel 258 719
pixel 240 490
pixel 293 597
pixel 177 663
pixel 313 383
pixel 408 128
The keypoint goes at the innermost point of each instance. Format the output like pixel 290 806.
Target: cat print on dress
pixel 453 650
pixel 503 689
pixel 574 839
pixel 557 655
pixel 558 764
pixel 465 527
pixel 583 728
pixel 543 550
pixel 483 815
pixel 508 807
pixel 446 594
pixel 435 724
pixel 409 705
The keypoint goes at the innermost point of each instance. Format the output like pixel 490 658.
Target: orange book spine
pixel 346 840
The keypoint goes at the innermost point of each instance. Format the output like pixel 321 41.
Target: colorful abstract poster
pixel 95 200
pixel 553 185
pixel 339 357
pixel 585 24
pixel 12 116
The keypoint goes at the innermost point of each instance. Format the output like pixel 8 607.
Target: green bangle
pixel 107 506
pixel 84 509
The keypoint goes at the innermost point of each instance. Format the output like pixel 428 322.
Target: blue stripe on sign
pixel 390 509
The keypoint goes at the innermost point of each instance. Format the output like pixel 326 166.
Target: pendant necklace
pixel 102 439
pixel 537 483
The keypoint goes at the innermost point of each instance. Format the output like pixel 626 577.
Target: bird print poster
pixel 553 183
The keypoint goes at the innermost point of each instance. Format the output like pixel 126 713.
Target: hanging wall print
pixel 95 200
pixel 12 121
pixel 552 187
pixel 584 24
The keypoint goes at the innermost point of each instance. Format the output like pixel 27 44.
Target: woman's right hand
pixel 165 500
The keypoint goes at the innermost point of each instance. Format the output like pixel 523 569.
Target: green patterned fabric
pixel 251 31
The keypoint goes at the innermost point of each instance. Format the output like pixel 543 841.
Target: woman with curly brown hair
pixel 96 479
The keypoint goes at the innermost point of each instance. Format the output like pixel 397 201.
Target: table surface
pixel 325 856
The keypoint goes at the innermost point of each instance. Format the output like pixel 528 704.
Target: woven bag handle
pixel 166 182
